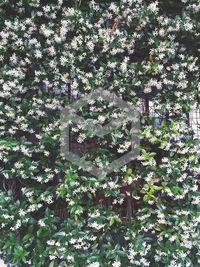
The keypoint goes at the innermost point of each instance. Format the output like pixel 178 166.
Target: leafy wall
pixel 53 213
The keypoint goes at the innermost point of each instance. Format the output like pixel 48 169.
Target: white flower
pixel 18 225
pixel 165 160
pixel 81 138
pixel 93 264
pixel 41 223
pixel 74 85
pixel 19 165
pixel 157 258
pixel 153 7
pixel 52 257
pixel 101 118
pixel 22 212
pixel 172 238
pixel 51 242
pixel 116 264
pixel 147 90
pixel 112 185
pixel 96 225
pixel 114 7
pixel 38 54
pixel 123 67
pixel 91 46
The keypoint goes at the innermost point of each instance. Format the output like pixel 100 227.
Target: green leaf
pixel 20 253
pixel 52 264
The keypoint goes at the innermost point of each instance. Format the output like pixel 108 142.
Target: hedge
pixel 54 213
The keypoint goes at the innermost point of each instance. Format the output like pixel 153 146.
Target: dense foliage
pixel 53 213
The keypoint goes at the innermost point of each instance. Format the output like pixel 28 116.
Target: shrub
pixel 53 213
